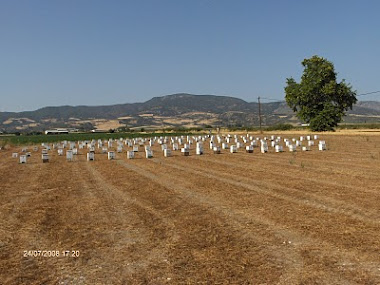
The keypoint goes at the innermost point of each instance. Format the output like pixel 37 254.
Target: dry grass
pixel 212 219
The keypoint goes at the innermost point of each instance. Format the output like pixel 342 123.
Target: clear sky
pixel 90 52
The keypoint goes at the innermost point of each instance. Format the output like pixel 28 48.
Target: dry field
pixel 276 218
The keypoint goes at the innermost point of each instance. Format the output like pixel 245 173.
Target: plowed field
pixel 275 218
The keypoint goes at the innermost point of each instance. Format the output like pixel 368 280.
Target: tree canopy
pixel 318 99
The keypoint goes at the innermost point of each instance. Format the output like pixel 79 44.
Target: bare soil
pixel 275 218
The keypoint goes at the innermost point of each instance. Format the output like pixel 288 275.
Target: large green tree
pixel 318 99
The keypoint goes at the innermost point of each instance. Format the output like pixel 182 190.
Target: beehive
pixel 216 149
pixel 90 156
pixel 111 155
pixel 119 149
pixel 278 148
pixel 167 152
pixel 69 155
pixel 130 154
pixel 15 155
pixel 148 153
pixel 22 158
pixel 45 157
pixel 224 146
pixel 264 147
pixel 185 151
pixel 60 151
pixel 292 147
pixel 233 149
pixel 135 148
pixel 322 145
pixel 249 148
pixel 175 146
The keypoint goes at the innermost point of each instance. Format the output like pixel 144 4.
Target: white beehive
pixel 90 156
pixel 167 152
pixel 22 158
pixel 305 148
pixel 308 138
pixel 310 143
pixel 147 147
pixel 104 149
pixel 60 151
pixel 69 155
pixel 216 149
pixel 175 146
pixel 186 146
pixel 92 149
pixel 15 155
pixel 272 143
pixel 322 145
pixel 292 147
pixel 148 153
pixel 45 157
pixel 185 151
pixel 111 155
pixel 249 148
pixel 278 148
pixel 130 154
pixel 109 144
pixel 199 150
pixel 135 148
pixel 119 149
pixel 224 146
pixel 164 146
pixel 239 145
pixel 28 154
pixel 315 137
pixel 254 143
pixel 264 147
pixel 233 149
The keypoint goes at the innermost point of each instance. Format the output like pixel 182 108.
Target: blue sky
pixel 89 52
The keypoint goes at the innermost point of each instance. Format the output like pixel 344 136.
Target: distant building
pixel 59 131
pixel 99 131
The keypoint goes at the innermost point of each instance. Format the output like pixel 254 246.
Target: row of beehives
pixel 175 143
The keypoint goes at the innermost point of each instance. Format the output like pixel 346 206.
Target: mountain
pixel 177 110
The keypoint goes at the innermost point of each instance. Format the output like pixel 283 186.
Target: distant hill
pixel 177 110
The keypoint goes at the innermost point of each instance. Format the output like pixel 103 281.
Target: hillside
pixel 177 110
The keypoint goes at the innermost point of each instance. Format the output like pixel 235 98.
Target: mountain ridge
pixel 174 110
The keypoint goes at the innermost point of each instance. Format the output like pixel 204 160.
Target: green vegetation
pixel 281 127
pixel 318 99
pixel 36 139
pixel 359 126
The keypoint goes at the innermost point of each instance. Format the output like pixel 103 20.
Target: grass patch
pixel 37 139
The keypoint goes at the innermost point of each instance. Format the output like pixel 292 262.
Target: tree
pixel 318 99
